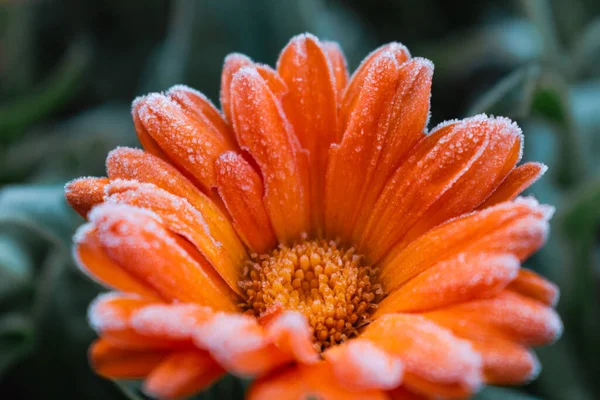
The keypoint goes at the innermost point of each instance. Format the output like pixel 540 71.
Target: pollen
pixel 330 285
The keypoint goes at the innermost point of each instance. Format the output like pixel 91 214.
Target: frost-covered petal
pixel 447 174
pixel 300 382
pixel 290 332
pixel 93 261
pixel 182 374
pixel 242 190
pixel 360 365
pixel 517 228
pixel 337 60
pixel 530 284
pixel 465 277
pixel 400 54
pixel 114 362
pixel 506 362
pixel 133 164
pixel 508 315
pixel 181 218
pixel 436 362
pixel 200 107
pixel 516 182
pixel 239 344
pixel 137 240
pixel 190 143
pixel 84 193
pixel 310 106
pixel 390 117
pixel 233 63
pixel 262 129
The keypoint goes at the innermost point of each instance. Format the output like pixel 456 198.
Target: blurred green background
pixel 69 70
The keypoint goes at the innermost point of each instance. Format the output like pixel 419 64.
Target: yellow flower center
pixel 328 284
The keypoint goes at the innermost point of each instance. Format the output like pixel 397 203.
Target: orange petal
pixel 95 263
pixel 239 344
pixel 508 315
pixel 402 393
pixel 407 116
pixel 182 374
pixel 360 365
pixel 291 333
pixel 517 228
pixel 84 193
pixel 516 182
pixel 398 51
pixel 136 239
pixel 339 67
pixel 133 164
pixel 233 63
pixel 349 162
pixel 437 363
pixel 506 363
pixel 191 143
pixel 181 218
pixel 302 382
pixel 242 191
pixel 530 284
pixel 200 107
pixel 447 174
pixel 262 129
pixel 113 362
pixel 310 106
pixel 132 322
pixel 461 278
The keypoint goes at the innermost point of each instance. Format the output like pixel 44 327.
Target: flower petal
pixel 506 362
pixel 461 278
pixel 136 239
pixel 516 182
pixel 508 315
pixel 242 191
pixel 114 362
pixel 181 218
pixel 182 374
pixel 310 106
pixel 447 174
pixel 360 365
pixel 192 144
pixel 437 363
pixel 301 382
pixel 200 107
pixel 134 164
pixel 84 193
pixel 233 63
pixel 347 171
pixel 398 51
pixel 291 333
pixel 530 284
pixel 517 228
pixel 339 67
pixel 239 344
pixel 93 261
pixel 262 129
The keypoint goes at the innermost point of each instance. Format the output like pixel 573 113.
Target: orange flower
pixel 315 237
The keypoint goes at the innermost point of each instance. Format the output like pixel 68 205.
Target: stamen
pixel 329 285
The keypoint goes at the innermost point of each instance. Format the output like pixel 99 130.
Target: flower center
pixel 328 284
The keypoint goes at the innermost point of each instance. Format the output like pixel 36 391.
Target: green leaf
pixel 586 52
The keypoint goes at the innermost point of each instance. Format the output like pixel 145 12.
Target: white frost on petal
pixel 102 316
pixel 363 365
pixel 172 320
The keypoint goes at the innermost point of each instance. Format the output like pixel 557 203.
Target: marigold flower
pixel 316 237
